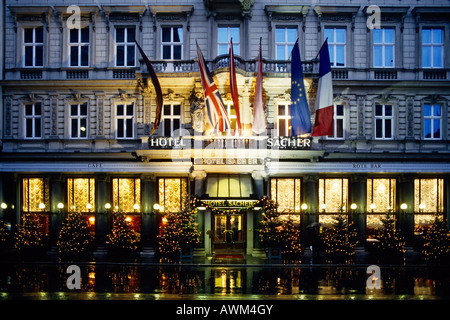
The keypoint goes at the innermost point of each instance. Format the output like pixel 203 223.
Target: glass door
pixel 229 231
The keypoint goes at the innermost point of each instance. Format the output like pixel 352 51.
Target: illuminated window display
pixel 81 194
pixel 333 199
pixel 287 193
pixel 172 193
pixel 36 200
pixel 126 194
pixel 428 200
pixel 381 198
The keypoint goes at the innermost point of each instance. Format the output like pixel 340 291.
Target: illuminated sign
pixel 229 203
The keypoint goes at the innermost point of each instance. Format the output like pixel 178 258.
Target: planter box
pixel 186 253
pixel 275 253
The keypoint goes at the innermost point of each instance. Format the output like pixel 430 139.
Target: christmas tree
pixel 122 238
pixel 4 234
pixel 29 237
pixel 340 240
pixel 436 242
pixel 291 247
pixel 390 245
pixel 179 231
pixel 74 237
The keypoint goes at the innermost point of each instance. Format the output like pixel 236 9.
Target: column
pixel 57 195
pixel 103 217
pixel 406 216
pixel 250 232
pixel 258 182
pixel 199 177
pixel 310 193
pixel 149 228
pixel 446 203
pixel 358 196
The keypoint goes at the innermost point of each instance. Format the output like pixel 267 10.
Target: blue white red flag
pixel 323 125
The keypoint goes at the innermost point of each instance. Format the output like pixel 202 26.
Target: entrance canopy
pixel 229 185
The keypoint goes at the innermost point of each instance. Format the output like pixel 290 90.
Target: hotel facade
pixel 78 108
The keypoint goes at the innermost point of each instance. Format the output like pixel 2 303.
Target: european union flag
pixel 299 110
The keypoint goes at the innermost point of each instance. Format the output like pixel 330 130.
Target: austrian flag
pixel 323 125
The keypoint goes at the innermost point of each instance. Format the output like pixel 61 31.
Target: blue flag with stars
pixel 299 110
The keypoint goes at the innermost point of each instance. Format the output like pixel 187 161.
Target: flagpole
pixel 321 48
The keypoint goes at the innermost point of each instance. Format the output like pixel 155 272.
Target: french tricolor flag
pixel 323 125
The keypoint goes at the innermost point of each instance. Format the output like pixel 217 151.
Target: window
pixel 383 121
pixel 33 120
pixel 33 47
pixel 81 194
pixel 126 195
pixel 171 119
pixel 78 120
pixel 229 185
pixel 286 193
pixel 124 117
pixel 79 47
pixel 428 200
pixel 283 120
pixel 285 38
pixel 333 195
pixel 336 45
pixel 35 195
pixel 383 48
pixel 432 48
pixel 432 121
pixel 338 122
pixel 172 194
pixel 172 42
pixel 125 47
pixel 224 34
pixel 381 195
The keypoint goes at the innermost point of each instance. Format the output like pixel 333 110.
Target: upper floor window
pixel 33 120
pixel 125 119
pixel 78 120
pixel 432 121
pixel 172 42
pixel 336 45
pixel 33 47
pixel 338 122
pixel 125 47
pixel 79 47
pixel 285 38
pixel 224 34
pixel 171 118
pixel 384 121
pixel 283 121
pixel 432 48
pixel 383 47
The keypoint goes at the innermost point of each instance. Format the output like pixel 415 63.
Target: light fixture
pixel 403 206
pixel 353 206
pixel 164 220
pixel 41 206
pixel 304 206
pixel 256 208
pixel 60 205
pixel 161 208
pixel 156 206
pixel 107 205
pixel 4 205
pixel 136 206
pixel 201 208
pixel 297 208
pixel 128 219
pixel 373 206
pixel 91 220
pixel 422 206
pixel 89 206
pixel 323 206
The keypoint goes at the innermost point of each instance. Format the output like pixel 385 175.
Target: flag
pixel 233 89
pixel 259 120
pixel 155 81
pixel 323 125
pixel 299 110
pixel 217 114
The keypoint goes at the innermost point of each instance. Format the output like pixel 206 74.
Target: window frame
pixel 172 43
pixel 124 117
pixel 162 202
pixel 115 198
pixel 78 117
pixel 383 44
pixel 432 45
pixel 33 45
pixel 344 201
pixel 71 206
pixel 333 44
pixel 125 44
pixel 286 44
pixel 236 42
pixel 171 117
pixel 383 117
pixel 79 45
pixel 297 200
pixel 33 117
pixel 431 118
pixel 286 117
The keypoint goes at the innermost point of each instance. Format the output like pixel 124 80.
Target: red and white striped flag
pixel 215 108
pixel 259 119
pixel 234 91
pixel 323 125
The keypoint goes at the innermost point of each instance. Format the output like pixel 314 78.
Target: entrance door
pixel 229 233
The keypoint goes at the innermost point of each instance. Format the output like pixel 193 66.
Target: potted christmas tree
pixel 179 233
pixel 340 241
pixel 74 239
pixel 29 240
pixel 390 245
pixel 436 242
pixel 122 240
